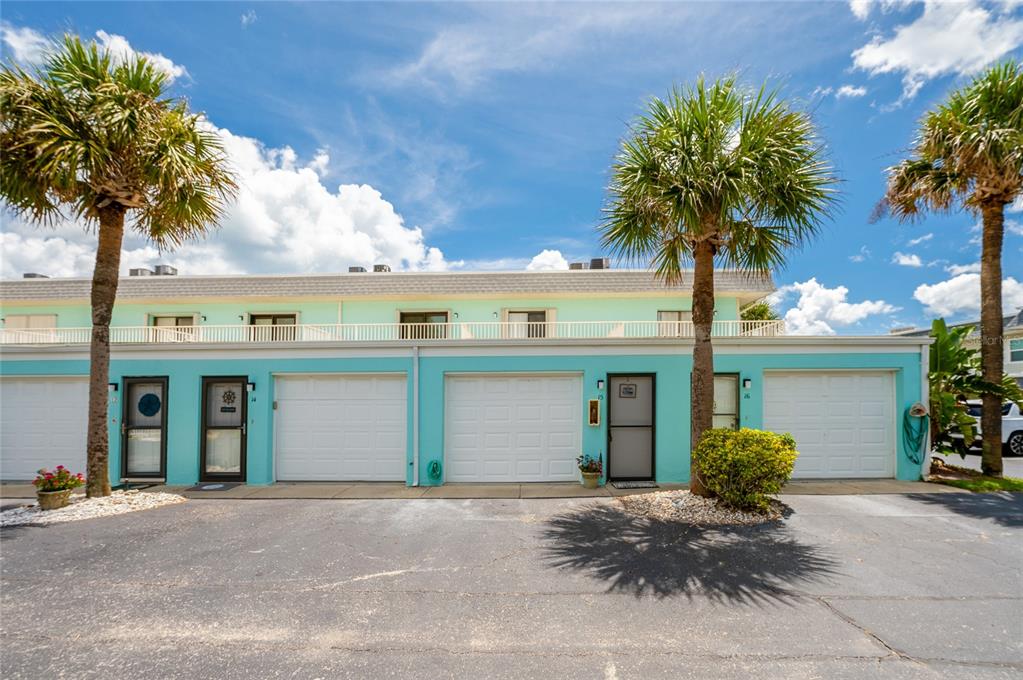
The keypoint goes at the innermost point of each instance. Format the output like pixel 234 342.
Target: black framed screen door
pixel 223 429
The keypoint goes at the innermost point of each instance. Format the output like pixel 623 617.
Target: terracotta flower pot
pixel 591 480
pixel 51 500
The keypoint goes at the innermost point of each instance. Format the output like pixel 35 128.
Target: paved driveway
pixel 851 586
pixel 1012 466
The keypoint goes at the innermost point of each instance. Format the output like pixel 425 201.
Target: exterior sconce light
pixel 455 314
pixel 600 384
pixel 250 387
pixel 495 315
pixel 203 317
pixel 112 387
pixel 746 383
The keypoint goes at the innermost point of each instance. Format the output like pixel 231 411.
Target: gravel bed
pixel 118 503
pixel 682 506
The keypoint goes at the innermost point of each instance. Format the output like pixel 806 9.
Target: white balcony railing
pixel 392 332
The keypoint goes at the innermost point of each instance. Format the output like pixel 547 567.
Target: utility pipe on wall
pixel 415 415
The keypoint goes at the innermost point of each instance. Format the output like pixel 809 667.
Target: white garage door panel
pixel 843 422
pixel 512 428
pixel 341 428
pixel 42 424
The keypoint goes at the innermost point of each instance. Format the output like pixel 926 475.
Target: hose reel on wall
pixel 435 471
pixel 914 431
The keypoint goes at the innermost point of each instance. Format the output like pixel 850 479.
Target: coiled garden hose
pixel 914 433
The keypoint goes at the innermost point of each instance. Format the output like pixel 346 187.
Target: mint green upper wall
pixel 360 310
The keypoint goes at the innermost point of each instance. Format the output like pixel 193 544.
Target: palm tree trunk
pixel 702 387
pixel 991 347
pixel 104 292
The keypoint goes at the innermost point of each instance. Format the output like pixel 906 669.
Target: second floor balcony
pixel 388 333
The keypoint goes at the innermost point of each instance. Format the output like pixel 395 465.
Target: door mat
pixel 634 485
pixel 214 486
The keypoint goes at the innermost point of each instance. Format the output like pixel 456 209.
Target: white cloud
pixel 850 91
pixel 947 38
pixel 1013 227
pixel 861 8
pixel 284 220
pixel 907 260
pixel 121 50
pixel 819 310
pixel 961 294
pixel 861 256
pixel 27 45
pixel 957 269
pixel 920 239
pixel 249 18
pixel 547 260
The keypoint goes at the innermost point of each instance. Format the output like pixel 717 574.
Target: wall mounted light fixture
pixel 250 386
pixel 600 384
pixel 746 383
pixel 112 387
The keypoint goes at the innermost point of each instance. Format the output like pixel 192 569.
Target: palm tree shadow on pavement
pixel 1003 508
pixel 648 556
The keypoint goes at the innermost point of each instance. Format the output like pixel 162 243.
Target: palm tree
pixel 715 173
pixel 89 137
pixel 969 152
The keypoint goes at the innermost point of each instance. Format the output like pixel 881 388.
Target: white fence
pixel 392 332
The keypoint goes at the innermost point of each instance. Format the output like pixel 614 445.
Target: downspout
pixel 415 415
pixel 925 399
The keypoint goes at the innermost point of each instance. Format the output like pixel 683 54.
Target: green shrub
pixel 742 468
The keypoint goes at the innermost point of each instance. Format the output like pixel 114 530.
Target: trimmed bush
pixel 742 468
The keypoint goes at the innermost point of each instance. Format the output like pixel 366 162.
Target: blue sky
pixel 478 136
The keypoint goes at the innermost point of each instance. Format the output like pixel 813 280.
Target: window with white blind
pixel 674 323
pixel 21 322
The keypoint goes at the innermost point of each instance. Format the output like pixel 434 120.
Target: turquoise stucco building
pixel 430 378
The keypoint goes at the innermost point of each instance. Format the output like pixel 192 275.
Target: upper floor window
pixel 173 321
pixel 1016 349
pixel 527 324
pixel 423 325
pixel 173 327
pixel 673 322
pixel 272 327
pixel 22 322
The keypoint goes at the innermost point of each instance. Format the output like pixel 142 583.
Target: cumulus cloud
pixel 948 38
pixel 820 310
pixel 547 260
pixel 284 219
pixel 920 239
pixel 957 269
pixel 861 8
pixel 961 294
pixel 907 260
pixel 850 91
pixel 249 18
pixel 29 46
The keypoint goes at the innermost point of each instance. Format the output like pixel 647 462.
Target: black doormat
pixel 214 486
pixel 634 485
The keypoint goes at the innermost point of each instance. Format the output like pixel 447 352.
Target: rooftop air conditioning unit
pixel 600 263
pixel 381 268
pixel 33 275
pixel 579 265
pixel 165 270
pixel 356 270
pixel 140 271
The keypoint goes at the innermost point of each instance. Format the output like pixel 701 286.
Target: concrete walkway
pixel 384 490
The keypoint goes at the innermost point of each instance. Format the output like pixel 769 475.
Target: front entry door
pixel 144 425
pixel 223 429
pixel 630 430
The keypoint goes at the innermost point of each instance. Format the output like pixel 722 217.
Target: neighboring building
pixel 429 378
pixel 1012 331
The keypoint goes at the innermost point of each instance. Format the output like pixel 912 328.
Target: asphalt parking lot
pixel 895 586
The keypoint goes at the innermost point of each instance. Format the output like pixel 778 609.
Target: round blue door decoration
pixel 149 405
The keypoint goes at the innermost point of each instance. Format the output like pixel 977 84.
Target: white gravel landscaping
pixel 682 506
pixel 118 503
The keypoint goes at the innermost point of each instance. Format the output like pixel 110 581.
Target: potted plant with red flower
pixel 592 469
pixel 53 489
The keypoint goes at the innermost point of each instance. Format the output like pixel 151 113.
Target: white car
pixel 1012 427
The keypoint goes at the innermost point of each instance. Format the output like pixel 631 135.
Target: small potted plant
pixel 591 469
pixel 53 489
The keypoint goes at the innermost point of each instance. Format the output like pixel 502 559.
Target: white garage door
pixel 341 428
pixel 517 428
pixel 843 421
pixel 42 424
